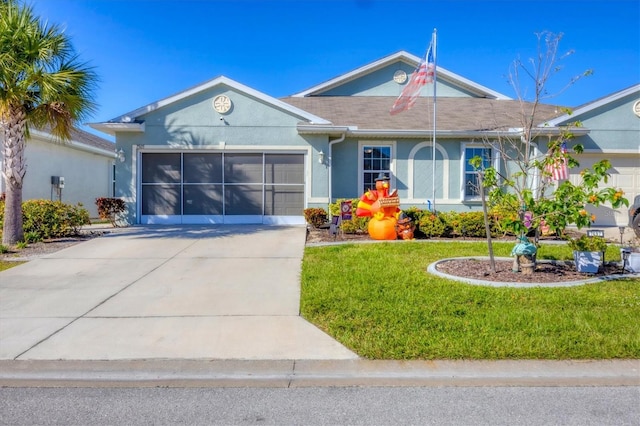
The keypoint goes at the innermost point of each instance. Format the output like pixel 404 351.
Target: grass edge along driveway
pixel 379 301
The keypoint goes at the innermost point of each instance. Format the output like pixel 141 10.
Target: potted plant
pixel 588 253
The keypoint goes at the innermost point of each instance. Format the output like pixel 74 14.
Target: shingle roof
pixel 90 139
pixel 86 138
pixel 455 114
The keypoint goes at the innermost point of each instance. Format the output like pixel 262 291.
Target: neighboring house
pixel 86 164
pixel 222 152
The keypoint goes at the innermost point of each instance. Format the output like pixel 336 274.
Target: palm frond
pixel 40 71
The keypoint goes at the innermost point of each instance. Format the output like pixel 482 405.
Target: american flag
pixel 559 169
pixel 425 73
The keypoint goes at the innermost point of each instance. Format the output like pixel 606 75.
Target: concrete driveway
pixel 161 292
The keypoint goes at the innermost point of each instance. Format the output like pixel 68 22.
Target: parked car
pixel 634 215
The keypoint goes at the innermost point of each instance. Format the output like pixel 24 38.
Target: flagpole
pixel 433 153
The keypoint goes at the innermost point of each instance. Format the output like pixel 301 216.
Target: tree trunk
pixel 487 228
pixel 13 126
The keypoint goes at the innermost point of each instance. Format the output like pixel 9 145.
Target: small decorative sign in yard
pixel 345 210
pixel 595 233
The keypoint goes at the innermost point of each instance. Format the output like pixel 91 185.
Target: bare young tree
pixel 523 185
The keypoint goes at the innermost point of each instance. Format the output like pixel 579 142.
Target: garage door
pixel 200 187
pixel 624 174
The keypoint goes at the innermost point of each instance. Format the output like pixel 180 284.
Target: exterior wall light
pixel 120 155
pixel 321 157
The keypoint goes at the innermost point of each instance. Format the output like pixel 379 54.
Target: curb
pixel 317 373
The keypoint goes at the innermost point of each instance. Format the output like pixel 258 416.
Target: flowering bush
pixel 316 217
pixel 43 219
pixel 586 243
pixel 110 208
pixel 522 210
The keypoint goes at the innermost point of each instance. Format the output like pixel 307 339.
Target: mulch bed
pixel 480 269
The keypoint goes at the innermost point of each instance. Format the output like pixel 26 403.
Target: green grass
pixel 378 300
pixel 6 265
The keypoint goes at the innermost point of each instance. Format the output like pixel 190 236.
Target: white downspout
pixel 329 171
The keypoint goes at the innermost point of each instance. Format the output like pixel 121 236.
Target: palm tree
pixel 42 85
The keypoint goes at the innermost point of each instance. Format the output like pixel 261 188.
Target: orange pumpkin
pixel 383 229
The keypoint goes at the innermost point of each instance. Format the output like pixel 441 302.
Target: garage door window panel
pixel 160 200
pixel 283 168
pixel 202 168
pixel 203 200
pixel 243 199
pixel 161 168
pixel 284 200
pixel 243 168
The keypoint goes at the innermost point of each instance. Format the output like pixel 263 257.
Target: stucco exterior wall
pixel 378 83
pixel 192 124
pixel 87 175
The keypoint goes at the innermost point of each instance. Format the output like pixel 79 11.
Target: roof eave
pixel 305 129
pixel 315 129
pixel 111 128
pixel 557 131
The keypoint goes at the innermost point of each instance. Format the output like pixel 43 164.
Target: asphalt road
pixel 322 406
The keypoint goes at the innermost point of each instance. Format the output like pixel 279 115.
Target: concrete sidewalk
pixel 183 292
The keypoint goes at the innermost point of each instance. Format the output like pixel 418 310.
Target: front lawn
pixel 379 301
pixel 4 265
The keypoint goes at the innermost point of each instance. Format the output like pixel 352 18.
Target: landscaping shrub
pixel 432 225
pixel 467 224
pixel 109 208
pixel 414 213
pixel 32 237
pixel 356 224
pixel 42 219
pixel 502 215
pixel 428 224
pixel 315 216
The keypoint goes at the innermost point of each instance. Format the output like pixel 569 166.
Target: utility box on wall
pixel 57 181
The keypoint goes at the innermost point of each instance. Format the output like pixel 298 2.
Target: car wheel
pixel 636 225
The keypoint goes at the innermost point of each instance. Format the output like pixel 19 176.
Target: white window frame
pixel 495 162
pixel 361 171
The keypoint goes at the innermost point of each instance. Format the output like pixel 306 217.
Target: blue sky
pixel 146 50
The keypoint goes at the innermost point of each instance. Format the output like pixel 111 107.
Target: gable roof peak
pixel 130 120
pixel 410 59
pixel 590 106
